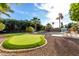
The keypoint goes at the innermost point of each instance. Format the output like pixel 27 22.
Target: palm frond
pixel 5 14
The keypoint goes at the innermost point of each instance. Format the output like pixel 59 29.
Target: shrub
pixel 30 29
pixel 2 26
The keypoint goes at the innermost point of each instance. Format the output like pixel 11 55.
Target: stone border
pixel 20 50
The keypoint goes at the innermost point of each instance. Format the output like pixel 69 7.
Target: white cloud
pixel 55 7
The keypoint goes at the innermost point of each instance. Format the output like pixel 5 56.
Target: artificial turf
pixel 24 41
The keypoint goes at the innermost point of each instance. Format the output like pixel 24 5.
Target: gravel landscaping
pixel 56 46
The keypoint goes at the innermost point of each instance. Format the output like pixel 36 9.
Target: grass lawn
pixel 23 41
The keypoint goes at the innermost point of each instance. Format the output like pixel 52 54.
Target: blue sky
pixel 28 11
pixel 46 12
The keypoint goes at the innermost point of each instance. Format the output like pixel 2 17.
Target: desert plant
pixel 2 26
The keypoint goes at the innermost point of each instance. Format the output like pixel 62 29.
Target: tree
pixel 48 27
pixel 72 26
pixel 74 12
pixel 14 25
pixel 60 16
pixel 69 25
pixel 5 8
pixel 53 24
pixel 62 25
pixel 35 21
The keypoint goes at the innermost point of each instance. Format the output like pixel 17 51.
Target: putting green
pixel 24 41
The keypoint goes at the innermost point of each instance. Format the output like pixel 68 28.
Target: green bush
pixel 30 29
pixel 2 26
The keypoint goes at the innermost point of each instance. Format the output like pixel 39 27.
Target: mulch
pixel 56 46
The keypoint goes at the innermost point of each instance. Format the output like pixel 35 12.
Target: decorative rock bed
pixel 69 35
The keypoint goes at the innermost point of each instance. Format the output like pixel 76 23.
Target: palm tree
pixel 5 8
pixel 59 18
pixel 36 21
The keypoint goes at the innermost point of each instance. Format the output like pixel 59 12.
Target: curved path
pixel 56 46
